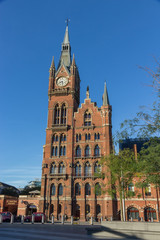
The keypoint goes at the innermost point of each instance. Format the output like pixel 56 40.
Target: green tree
pixel 121 169
pixel 149 166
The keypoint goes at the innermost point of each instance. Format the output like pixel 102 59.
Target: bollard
pixel 151 219
pixel 1 220
pixel 12 219
pixel 91 220
pixel 111 218
pixel 22 219
pixel 101 219
pixel 52 219
pixel 32 219
pixel 131 219
pixel 71 220
pixel 141 219
pixel 62 219
pixel 42 218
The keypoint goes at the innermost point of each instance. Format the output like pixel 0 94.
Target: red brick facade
pixel 76 139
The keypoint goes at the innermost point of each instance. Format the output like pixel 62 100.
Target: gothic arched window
pixel 97 151
pixel 63 138
pixel 78 169
pixel 87 169
pixel 87 118
pixel 97 167
pixel 57 114
pixel 133 213
pixel 63 114
pixel 96 136
pixel 97 189
pixel 61 168
pixel 78 151
pixel 60 189
pixel 62 151
pixel 53 168
pixel 77 189
pixel 87 151
pixel 53 190
pixel 54 151
pixel 87 189
pixel 55 138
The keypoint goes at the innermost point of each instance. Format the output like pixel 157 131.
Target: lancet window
pixel 87 118
pixel 87 169
pixel 97 167
pixel 61 168
pixel 53 168
pixel 60 189
pixel 87 189
pixel 78 169
pixel 87 151
pixel 97 151
pixel 60 114
pixel 78 151
pixel 53 190
pixel 77 189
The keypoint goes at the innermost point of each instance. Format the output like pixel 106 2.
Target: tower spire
pixel 66 35
pixel 105 96
pixel 66 49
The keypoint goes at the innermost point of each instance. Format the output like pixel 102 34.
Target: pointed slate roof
pixel 105 96
pixel 66 36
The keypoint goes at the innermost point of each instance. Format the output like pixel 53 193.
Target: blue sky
pixel 110 38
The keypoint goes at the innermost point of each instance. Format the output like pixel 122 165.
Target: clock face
pixel 62 81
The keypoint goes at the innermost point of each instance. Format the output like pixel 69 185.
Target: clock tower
pixel 76 139
pixel 64 94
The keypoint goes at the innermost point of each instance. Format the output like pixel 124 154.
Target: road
pixel 53 232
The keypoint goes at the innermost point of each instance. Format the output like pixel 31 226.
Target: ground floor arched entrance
pixel 149 214
pixel 132 213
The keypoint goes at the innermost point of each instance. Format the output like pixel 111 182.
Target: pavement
pixel 56 231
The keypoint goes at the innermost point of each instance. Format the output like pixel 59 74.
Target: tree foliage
pixel 121 169
pixel 149 164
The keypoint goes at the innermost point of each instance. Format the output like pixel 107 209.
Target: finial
pixel 67 21
pixel 87 92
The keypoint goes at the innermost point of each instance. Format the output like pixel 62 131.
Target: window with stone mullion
pixel 63 114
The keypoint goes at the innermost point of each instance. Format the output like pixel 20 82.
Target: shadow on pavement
pixel 115 233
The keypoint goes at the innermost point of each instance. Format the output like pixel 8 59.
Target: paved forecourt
pixel 52 232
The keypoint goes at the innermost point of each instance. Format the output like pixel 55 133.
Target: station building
pixel 77 136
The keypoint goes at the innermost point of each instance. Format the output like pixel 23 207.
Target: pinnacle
pixel 73 60
pixel 105 96
pixel 52 64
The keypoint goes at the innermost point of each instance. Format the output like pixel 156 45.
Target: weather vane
pixel 67 21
